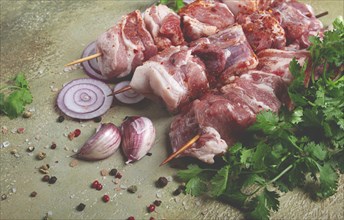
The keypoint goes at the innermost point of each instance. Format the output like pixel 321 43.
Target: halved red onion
pixel 84 98
pixel 129 96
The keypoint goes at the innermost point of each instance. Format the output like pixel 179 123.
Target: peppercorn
pixel 77 132
pixel 157 202
pixel 151 218
pixel 99 187
pixel 52 180
pixel 33 194
pixel 113 172
pixel 46 178
pixel 27 114
pixel 95 184
pixel 149 154
pixel 179 190
pixel 30 149
pixel 106 198
pixel 161 182
pixel 151 208
pixel 131 218
pixel 60 119
pixel 53 146
pixel 132 189
pixel 118 175
pixel 41 155
pixel 81 207
pixel 3 196
pixel 97 119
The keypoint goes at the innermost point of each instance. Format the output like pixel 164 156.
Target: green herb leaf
pixel 219 181
pixel 191 172
pixel 196 186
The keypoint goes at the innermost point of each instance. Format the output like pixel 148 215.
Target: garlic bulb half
pixel 102 144
pixel 138 135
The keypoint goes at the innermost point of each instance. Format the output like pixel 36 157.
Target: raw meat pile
pixel 217 63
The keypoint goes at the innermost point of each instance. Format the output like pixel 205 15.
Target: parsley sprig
pixel 288 150
pixel 176 5
pixel 14 97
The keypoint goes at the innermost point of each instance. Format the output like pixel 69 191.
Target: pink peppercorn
pixel 106 198
pixel 131 218
pixel 99 187
pixel 95 184
pixel 151 208
pixel 77 132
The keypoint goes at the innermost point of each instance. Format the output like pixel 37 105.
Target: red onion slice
pixel 129 96
pixel 84 98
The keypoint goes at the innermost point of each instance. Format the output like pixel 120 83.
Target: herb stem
pixel 280 175
pixel 9 87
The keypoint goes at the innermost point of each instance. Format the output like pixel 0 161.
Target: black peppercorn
pixel 97 119
pixel 46 178
pixel 81 207
pixel 113 172
pixel 132 189
pixel 60 119
pixel 161 182
pixel 52 180
pixel 179 190
pixel 149 154
pixel 33 194
pixel 157 202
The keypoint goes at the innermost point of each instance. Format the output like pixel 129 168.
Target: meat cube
pixel 277 61
pixel 203 18
pixel 222 116
pixel 298 21
pixel 234 53
pixel 262 30
pixel 124 46
pixel 164 26
pixel 174 76
pixel 243 6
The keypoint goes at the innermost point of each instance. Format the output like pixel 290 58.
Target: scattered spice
pixel 95 184
pixel 104 172
pixel 151 208
pixel 131 218
pixel 118 175
pixel 99 187
pixel 5 144
pixel 4 129
pixel 53 146
pixel 30 149
pixel 97 119
pixel 71 136
pixel 33 194
pixel 60 119
pixel 113 172
pixel 27 114
pixel 81 207
pixel 20 130
pixel 132 189
pixel 45 178
pixel 3 196
pixel 74 163
pixel 52 180
pixel 106 198
pixel 157 202
pixel 179 190
pixel 77 132
pixel 41 155
pixel 14 151
pixel 161 182
pixel 149 154
pixel 44 169
pixel 151 218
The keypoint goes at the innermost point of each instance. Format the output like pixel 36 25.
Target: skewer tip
pixel 181 150
pixel 84 59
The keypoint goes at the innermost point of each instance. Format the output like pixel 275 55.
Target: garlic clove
pixel 102 144
pixel 138 135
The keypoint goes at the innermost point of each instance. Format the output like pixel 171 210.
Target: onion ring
pixel 84 98
pixel 129 96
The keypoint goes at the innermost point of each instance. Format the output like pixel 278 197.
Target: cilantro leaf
pixel 196 186
pixel 328 181
pixel 191 172
pixel 219 181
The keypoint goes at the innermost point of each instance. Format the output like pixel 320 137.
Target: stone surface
pixel 39 38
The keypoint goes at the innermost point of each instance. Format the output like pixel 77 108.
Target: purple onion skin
pixel 102 144
pixel 138 135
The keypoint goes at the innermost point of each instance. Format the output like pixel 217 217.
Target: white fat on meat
pixel 153 80
pixel 203 18
pixel 244 6
pixel 173 76
pixel 210 145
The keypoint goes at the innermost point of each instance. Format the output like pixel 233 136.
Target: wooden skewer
pixel 84 59
pixel 125 88
pixel 321 14
pixel 182 149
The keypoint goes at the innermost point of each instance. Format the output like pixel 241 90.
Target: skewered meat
pixel 203 18
pixel 235 53
pixel 262 30
pixel 174 76
pixel 243 6
pixel 222 116
pixel 124 46
pixel 298 20
pixel 277 62
pixel 164 26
